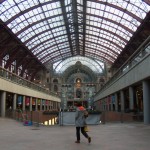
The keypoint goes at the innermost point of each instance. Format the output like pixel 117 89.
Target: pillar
pixel 36 104
pixel 131 98
pixel 3 104
pixel 44 104
pixel 56 106
pixel 41 104
pixel 122 100
pixel 101 105
pixel 23 103
pixel 116 102
pixel 104 104
pixel 14 102
pixel 146 101
pixel 111 101
pixel 30 103
pixel 50 105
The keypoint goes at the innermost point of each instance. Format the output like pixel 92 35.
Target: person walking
pixel 80 123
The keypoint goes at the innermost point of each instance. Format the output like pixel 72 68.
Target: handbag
pixel 86 128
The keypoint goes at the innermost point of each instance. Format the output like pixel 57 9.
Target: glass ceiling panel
pixel 57 57
pixel 115 21
pixel 52 34
pixel 95 66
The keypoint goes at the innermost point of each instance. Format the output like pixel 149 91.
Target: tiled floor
pixel 111 136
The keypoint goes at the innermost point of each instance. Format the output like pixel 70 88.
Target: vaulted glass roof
pixel 54 30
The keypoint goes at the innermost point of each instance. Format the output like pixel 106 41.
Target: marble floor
pixel 111 136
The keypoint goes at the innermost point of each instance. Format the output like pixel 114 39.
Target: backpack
pixel 86 114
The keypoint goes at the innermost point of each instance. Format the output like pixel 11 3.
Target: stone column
pixel 131 98
pixel 30 103
pixel 3 104
pixel 116 102
pixel 50 105
pixel 101 105
pixel 23 103
pixel 14 102
pixel 59 105
pixel 146 101
pixel 111 101
pixel 122 100
pixel 56 106
pixel 104 104
pixel 36 104
pixel 41 104
pixel 44 105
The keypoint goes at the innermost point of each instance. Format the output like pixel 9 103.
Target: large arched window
pixel 55 81
pixel 96 65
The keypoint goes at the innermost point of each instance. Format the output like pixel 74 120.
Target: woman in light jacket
pixel 80 123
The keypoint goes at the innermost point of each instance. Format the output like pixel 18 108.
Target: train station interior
pixel 55 53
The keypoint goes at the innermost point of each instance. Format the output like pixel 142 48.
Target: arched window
pixel 55 81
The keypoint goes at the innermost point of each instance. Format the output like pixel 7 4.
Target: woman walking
pixel 80 123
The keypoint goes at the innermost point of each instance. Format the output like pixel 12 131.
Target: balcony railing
pixel 11 77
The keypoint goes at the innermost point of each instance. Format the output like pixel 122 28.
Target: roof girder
pixel 124 27
pixel 67 26
pixel 51 59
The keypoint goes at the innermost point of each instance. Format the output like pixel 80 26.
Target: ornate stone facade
pixel 77 83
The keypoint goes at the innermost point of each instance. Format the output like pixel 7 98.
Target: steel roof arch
pixel 80 46
pixel 100 57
